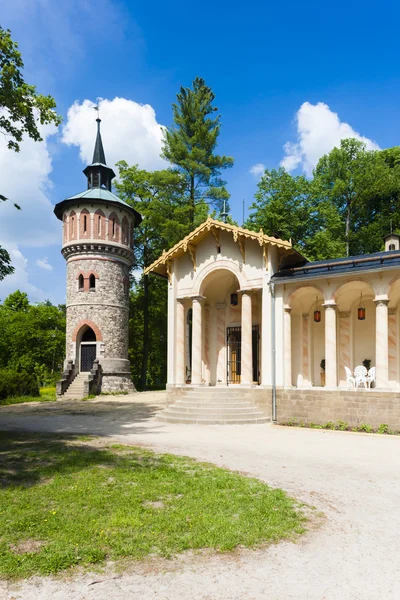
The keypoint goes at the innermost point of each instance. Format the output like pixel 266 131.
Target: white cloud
pixel 24 179
pixel 257 170
pixel 129 131
pixel 43 263
pixel 318 131
pixel 19 280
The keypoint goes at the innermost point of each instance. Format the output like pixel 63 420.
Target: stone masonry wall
pixel 311 406
pixel 107 306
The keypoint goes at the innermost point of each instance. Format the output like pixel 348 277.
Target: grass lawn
pixel 75 501
pixel 47 394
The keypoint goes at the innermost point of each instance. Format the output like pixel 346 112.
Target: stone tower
pixel 98 247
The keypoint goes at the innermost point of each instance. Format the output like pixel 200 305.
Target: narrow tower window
pixel 92 282
pixel 113 227
pixel 99 225
pixel 85 223
pixel 73 226
pixel 80 282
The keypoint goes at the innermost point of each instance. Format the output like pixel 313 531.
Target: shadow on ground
pixel 98 417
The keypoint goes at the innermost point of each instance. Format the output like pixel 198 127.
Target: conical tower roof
pixel 98 154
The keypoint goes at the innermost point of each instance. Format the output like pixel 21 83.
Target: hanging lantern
pixel 317 313
pixel 361 310
pixel 234 299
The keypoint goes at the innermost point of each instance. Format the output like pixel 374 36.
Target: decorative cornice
pixel 381 302
pixel 98 250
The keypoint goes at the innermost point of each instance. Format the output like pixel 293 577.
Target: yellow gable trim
pixel 160 265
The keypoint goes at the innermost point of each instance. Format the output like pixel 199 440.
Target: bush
pixel 13 383
pixel 383 428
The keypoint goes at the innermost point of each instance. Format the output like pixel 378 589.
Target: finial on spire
pixel 224 214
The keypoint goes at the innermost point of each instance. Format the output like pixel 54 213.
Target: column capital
pixel 198 299
pixel 381 301
pixel 248 292
pixel 344 314
pixel 329 304
pixel 287 309
pixel 181 300
pixel 305 316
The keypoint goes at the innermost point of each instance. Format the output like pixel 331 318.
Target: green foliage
pixel 22 104
pixel 322 364
pixel 13 383
pixel 342 425
pixel 65 503
pixel 365 428
pixel 6 267
pixel 47 394
pixel 282 207
pixel 32 336
pixel 348 206
pixel 383 428
pixel 329 425
pixel 189 145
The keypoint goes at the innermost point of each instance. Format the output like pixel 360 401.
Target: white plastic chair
pixel 360 374
pixel 350 380
pixel 371 377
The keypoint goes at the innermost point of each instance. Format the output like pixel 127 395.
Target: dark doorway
pixel 88 355
pixel 234 346
pixel 89 335
pixel 256 353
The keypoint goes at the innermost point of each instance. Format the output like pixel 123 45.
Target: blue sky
pixel 291 79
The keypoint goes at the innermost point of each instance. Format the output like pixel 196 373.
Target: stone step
pixel 213 392
pixel 194 403
pixel 214 413
pixel 212 420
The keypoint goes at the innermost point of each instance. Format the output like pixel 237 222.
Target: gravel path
pixel 353 478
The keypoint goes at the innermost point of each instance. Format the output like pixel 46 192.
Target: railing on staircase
pixel 66 378
pixel 93 383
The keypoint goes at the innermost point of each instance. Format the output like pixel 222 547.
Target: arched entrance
pixel 87 348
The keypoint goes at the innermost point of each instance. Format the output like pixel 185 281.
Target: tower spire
pixel 98 174
pixel 98 154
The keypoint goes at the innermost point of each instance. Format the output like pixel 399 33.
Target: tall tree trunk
pixel 192 204
pixel 145 357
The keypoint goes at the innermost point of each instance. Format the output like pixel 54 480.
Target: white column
pixel 247 345
pixel 330 345
pixel 197 341
pixel 171 328
pixel 288 346
pixel 381 343
pixel 180 342
pixel 221 348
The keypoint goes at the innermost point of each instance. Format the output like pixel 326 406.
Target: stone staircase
pixel 75 390
pixel 212 406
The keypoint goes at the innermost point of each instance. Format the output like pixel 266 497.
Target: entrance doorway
pixel 234 345
pixel 87 350
pixel 88 355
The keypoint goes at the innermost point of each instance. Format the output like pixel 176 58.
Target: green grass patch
pixel 64 502
pixel 344 426
pixel 47 394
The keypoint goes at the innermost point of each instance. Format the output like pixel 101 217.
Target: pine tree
pixel 189 145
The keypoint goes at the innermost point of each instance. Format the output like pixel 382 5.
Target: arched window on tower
pixel 65 224
pixel 113 227
pixel 72 225
pixel 81 283
pixel 92 282
pixel 99 225
pixel 85 224
pixel 125 231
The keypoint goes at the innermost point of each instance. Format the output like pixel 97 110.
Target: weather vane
pixel 224 214
pixel 97 107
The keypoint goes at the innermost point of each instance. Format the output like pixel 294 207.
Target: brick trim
pixel 99 337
